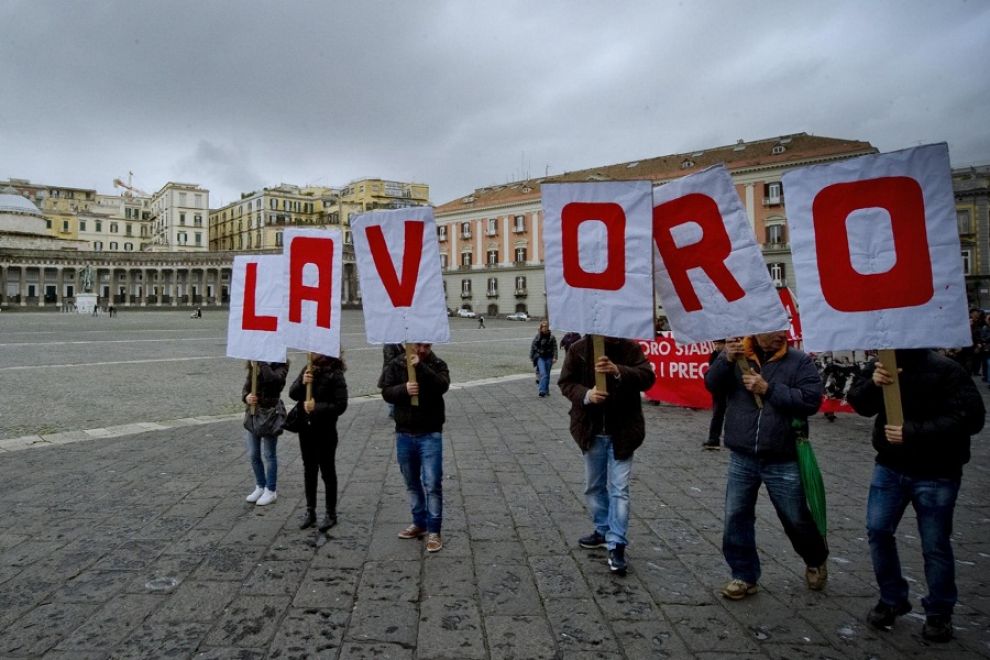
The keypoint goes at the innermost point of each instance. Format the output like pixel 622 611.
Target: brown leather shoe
pixel 433 543
pixel 816 577
pixel 412 532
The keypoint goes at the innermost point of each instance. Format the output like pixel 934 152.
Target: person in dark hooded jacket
pixel 918 463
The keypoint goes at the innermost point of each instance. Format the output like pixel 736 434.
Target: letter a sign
pixel 598 246
pixel 401 285
pixel 876 252
pixel 311 320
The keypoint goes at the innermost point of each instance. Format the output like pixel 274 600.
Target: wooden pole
pixel 309 385
pixel 410 369
pixel 254 382
pixel 892 392
pixel 746 369
pixel 598 342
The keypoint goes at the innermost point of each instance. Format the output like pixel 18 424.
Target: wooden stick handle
pixel 746 369
pixel 254 382
pixel 598 342
pixel 892 392
pixel 411 370
pixel 309 385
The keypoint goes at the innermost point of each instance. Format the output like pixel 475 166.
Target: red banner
pixel 680 371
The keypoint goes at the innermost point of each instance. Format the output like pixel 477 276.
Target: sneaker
pixel 412 532
pixel 617 559
pixel 937 628
pixel 433 543
pixel 592 541
pixel 255 494
pixel 816 577
pixel 267 498
pixel 711 443
pixel 882 616
pixel 738 589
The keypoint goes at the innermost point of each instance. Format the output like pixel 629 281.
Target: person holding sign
pixel 419 417
pixel 263 423
pixel 318 432
pixel 760 433
pixel 608 427
pixel 918 463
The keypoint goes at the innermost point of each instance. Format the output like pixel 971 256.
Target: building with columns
pixel 491 239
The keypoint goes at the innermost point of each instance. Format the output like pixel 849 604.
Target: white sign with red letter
pixel 401 286
pixel 599 262
pixel 876 252
pixel 710 273
pixel 256 299
pixel 310 318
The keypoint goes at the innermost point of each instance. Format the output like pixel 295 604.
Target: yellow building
pixel 364 195
pixel 256 221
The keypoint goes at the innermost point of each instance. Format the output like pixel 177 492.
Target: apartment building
pixel 971 186
pixel 179 213
pixel 257 220
pixel 491 239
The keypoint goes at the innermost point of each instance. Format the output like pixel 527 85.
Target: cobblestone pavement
pixel 142 546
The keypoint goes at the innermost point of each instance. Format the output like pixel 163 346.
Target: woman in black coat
pixel 318 434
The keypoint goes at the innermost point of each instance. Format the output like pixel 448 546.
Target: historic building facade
pixel 179 218
pixel 971 186
pixel 491 239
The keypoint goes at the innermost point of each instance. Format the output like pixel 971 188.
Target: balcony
pixel 777 200
pixel 465 234
pixel 491 232
pixel 518 229
pixel 521 293
pixel 492 294
pixel 776 247
pixel 465 295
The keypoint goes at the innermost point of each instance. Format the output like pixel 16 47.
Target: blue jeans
pixel 607 490
pixel 783 481
pixel 256 446
pixel 934 502
pixel 421 462
pixel 543 365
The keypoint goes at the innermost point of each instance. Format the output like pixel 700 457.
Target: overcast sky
pixel 241 94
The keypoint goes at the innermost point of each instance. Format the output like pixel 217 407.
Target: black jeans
pixel 319 455
pixel 718 417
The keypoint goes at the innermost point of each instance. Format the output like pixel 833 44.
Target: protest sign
pixel 709 270
pixel 399 268
pixel 256 301
pixel 680 371
pixel 598 256
pixel 310 318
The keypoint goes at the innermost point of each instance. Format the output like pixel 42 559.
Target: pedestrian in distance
pixel 543 354
pixel 763 441
pixel 481 321
pixel 918 463
pixel 318 433
pixel 714 440
pixel 608 427
pixel 263 427
pixel 419 437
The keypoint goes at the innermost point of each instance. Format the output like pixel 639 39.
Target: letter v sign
pixel 399 291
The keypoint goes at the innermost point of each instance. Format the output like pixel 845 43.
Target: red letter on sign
pixel 909 282
pixel 251 320
pixel 401 293
pixel 319 252
pixel 572 215
pixel 709 253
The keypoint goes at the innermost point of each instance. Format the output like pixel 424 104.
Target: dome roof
pixel 11 202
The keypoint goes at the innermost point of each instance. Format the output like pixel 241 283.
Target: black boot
pixel 308 519
pixel 329 521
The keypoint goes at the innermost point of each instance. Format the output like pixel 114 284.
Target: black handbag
pixel 266 422
pixel 296 419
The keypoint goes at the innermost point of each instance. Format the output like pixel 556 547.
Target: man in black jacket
pixel 919 463
pixel 419 437
pixel 608 427
pixel 764 450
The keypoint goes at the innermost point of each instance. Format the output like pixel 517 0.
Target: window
pixel 520 255
pixel 128 247
pixel 199 238
pixel 492 226
pixel 778 149
pixel 113 227
pixel 48 224
pixel 181 238
pixel 99 226
pixel 198 220
pixel 347 238
pixel 442 232
pixel 182 199
pixel 278 239
pixel 521 284
pixel 97 245
pixel 776 234
pixel 443 261
pixel 967 262
pixel 465 259
pixel 65 225
pixel 182 218
pixel 249 241
pixel 519 224
pixel 492 259
pixel 777 274
pixel 965 222
pixel 492 286
pixel 199 201
pixel 465 287
pixel 82 225
pixel 129 229
pixel 113 245
pixel 465 230
pixel 773 194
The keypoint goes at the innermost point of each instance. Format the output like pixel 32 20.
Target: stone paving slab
pixel 135 542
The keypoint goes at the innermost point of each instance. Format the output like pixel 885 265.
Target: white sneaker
pixel 267 497
pixel 255 494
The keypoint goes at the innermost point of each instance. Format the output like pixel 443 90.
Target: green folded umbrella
pixel 811 477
